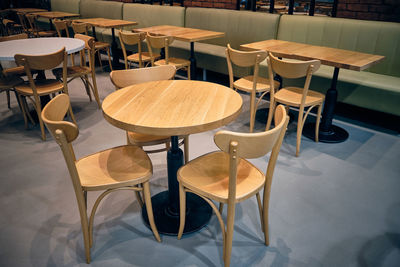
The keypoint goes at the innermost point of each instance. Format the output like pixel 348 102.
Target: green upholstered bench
pixel 239 27
pixel 376 88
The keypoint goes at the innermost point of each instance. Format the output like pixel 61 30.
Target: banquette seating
pixel 376 88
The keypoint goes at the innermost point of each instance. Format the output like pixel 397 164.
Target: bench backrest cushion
pixel 101 9
pixel 70 6
pixel 240 27
pixel 152 15
pixel 373 37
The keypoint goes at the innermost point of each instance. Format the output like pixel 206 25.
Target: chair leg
pixel 299 130
pixel 229 233
pixel 139 198
pixel 182 210
pixel 149 209
pixel 39 112
pixel 188 73
pixel 221 207
pixel 109 58
pixel 95 91
pixel 270 114
pixel 260 210
pixel 186 148
pixel 23 109
pixel 317 123
pixel 8 99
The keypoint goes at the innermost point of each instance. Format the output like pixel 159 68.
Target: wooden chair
pixel 62 27
pixel 11 27
pixel 124 78
pixel 37 32
pixel 252 84
pixel 129 38
pixel 33 89
pixel 25 26
pixel 294 96
pixel 7 84
pixel 228 178
pixel 118 168
pixel 160 42
pixel 83 71
pixel 82 28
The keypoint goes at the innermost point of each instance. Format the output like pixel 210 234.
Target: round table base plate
pixel 198 214
pixel 334 135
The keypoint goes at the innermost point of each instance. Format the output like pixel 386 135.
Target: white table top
pixel 39 46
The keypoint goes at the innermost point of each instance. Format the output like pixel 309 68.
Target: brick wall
pixel 385 10
pixel 227 4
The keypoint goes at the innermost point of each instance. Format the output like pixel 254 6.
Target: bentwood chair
pixel 62 27
pixel 300 98
pixel 252 84
pixel 118 168
pixel 37 32
pixel 124 78
pixel 25 26
pixel 228 178
pixel 160 42
pixel 141 58
pixel 83 71
pixel 82 28
pixel 33 89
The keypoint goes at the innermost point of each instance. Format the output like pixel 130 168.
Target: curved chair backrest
pixel 42 62
pixel 293 69
pixel 61 25
pixel 14 37
pixel 89 40
pixel 80 27
pixel 245 58
pixel 32 22
pixel 123 78
pixel 255 145
pixel 22 21
pixel 53 116
pixel 89 46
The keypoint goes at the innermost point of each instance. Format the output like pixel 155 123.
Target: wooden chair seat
pixel 101 45
pixel 43 87
pixel 246 84
pixel 72 71
pixel 46 33
pixel 176 62
pixel 208 175
pixel 115 167
pixel 9 82
pixel 19 70
pixel 146 139
pixel 145 57
pixel 292 96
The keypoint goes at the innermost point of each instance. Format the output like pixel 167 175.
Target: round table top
pixel 39 46
pixel 173 107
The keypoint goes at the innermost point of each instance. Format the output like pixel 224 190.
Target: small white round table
pixel 38 46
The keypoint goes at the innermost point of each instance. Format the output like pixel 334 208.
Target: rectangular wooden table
pixel 109 23
pixel 337 58
pixel 55 15
pixel 26 10
pixel 183 34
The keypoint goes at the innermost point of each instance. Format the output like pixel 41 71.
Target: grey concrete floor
pixel 335 205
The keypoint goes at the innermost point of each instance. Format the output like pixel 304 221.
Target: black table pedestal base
pixel 334 135
pixel 198 214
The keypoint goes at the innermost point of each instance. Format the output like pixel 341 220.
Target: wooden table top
pixel 173 107
pixel 55 14
pixel 182 33
pixel 26 10
pixel 339 58
pixel 107 23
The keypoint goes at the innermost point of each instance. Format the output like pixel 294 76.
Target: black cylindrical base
pixel 335 134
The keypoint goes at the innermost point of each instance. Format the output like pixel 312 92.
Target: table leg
pixel 328 133
pixel 114 50
pixel 192 62
pixel 166 204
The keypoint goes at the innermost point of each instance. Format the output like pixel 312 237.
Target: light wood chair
pixel 160 42
pixel 33 89
pixel 124 78
pixel 252 84
pixel 83 71
pixel 25 25
pixel 82 28
pixel 228 178
pixel 141 58
pixel 62 26
pixel 294 96
pixel 118 168
pixel 37 32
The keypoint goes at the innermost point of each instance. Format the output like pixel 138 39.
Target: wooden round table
pixel 174 107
